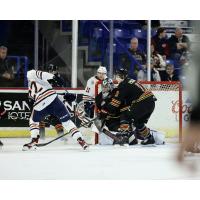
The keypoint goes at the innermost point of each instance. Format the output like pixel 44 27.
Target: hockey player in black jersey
pixel 138 105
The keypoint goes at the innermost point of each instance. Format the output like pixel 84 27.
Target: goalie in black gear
pixel 102 100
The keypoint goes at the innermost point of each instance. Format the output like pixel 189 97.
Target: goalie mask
pixel 107 86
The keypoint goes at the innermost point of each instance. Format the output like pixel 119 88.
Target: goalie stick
pixel 99 125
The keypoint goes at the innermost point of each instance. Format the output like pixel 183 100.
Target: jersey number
pixel 87 89
pixel 34 89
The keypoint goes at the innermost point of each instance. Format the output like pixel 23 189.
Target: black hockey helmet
pixel 122 73
pixel 52 68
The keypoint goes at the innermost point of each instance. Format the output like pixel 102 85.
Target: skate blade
pixel 33 148
pixel 149 145
pixel 86 148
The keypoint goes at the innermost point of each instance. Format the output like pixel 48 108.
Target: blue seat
pixel 121 33
pixel 97 32
pixel 138 33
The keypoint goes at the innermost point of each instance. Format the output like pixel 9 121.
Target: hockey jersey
pixel 89 93
pixel 129 93
pixel 40 90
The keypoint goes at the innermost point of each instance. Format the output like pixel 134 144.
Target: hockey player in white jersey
pixel 46 102
pixel 89 94
pixel 100 76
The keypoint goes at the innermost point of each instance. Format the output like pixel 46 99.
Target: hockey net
pixel 167 116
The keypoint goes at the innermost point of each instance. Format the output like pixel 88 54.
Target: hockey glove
pixel 70 97
pixel 56 81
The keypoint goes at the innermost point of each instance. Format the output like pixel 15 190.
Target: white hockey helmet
pixel 102 70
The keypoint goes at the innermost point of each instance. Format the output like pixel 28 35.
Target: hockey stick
pixel 46 143
pixel 99 125
pixel 115 138
pixel 57 138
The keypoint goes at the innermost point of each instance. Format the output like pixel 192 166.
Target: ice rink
pixel 63 161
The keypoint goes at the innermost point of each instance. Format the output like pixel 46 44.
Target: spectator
pixel 179 45
pixel 154 24
pixel 6 72
pixel 160 42
pixel 169 74
pixel 138 55
pixel 142 74
pixel 159 61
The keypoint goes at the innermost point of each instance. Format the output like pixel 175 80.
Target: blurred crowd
pixel 169 55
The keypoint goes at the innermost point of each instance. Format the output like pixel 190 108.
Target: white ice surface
pixel 62 161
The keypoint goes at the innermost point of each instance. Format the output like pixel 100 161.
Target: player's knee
pixel 124 125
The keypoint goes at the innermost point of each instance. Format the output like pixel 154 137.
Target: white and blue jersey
pixel 46 101
pixel 40 90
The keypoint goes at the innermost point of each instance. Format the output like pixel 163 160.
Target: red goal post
pixel 167 92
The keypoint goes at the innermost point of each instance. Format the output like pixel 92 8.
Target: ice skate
pixel 31 145
pixel 148 141
pixel 82 143
pixel 1 144
pixel 132 140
